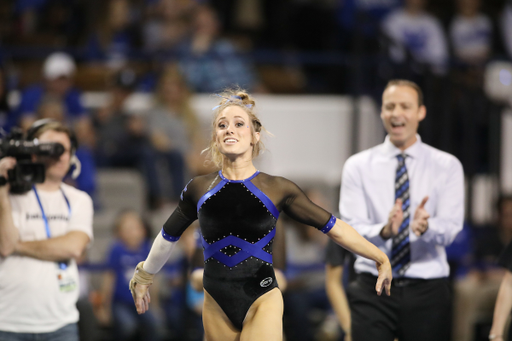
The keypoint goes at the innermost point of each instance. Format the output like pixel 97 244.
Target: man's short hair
pixel 41 126
pixel 411 84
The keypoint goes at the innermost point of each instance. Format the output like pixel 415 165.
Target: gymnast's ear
pixel 256 138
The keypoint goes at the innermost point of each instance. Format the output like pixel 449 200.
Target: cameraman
pixel 42 232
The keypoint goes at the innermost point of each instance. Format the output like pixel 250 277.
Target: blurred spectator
pixel 170 123
pixel 467 124
pixel 5 110
pixel 54 108
pixel 211 64
pixel 168 24
pixel 471 33
pixel 88 326
pixel 57 23
pixel 413 31
pixel 506 27
pixel 122 139
pixel 183 304
pixel 27 13
pixel 175 130
pixel 475 293
pixel 337 261
pixel 130 246
pixel 306 302
pixel 363 19
pixel 116 38
pixel 51 107
pixel 58 72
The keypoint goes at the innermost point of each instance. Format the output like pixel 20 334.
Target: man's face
pixel 401 114
pixel 56 168
pixel 59 86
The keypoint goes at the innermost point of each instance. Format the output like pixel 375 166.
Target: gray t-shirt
pixel 168 123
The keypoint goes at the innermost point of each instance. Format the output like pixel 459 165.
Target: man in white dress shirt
pixel 407 198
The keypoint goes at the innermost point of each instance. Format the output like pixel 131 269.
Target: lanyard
pixel 62 265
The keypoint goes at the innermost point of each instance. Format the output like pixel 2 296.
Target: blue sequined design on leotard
pixel 238 225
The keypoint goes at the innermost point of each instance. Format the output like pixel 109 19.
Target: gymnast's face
pixel 235 136
pixel 401 115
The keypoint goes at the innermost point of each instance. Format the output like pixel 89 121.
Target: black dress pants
pixel 417 310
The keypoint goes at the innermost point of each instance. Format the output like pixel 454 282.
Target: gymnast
pixel 237 208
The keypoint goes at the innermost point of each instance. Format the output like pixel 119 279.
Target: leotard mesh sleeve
pixel 184 215
pixel 297 205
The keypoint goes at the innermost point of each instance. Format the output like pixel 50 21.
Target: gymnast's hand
pixel 139 287
pixel 141 297
pixel 385 277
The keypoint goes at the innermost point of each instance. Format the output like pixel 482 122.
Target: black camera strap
pixel 62 265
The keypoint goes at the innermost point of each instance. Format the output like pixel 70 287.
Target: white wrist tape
pixel 159 254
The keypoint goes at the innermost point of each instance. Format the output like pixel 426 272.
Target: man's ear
pixel 422 113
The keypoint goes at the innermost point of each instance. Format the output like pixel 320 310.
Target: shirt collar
pixel 391 151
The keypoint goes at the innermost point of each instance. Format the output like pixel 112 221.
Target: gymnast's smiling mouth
pixel 230 140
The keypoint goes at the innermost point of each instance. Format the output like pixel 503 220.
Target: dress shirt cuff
pixel 372 233
pixel 436 234
pixel 429 234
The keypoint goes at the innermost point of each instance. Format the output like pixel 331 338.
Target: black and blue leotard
pixel 237 220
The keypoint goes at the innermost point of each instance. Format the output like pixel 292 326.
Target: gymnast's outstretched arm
pixel 145 272
pixel 298 206
pixel 344 235
pixel 162 247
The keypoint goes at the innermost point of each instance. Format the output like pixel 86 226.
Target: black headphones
pixel 74 162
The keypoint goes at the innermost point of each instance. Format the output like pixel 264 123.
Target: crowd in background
pixel 52 51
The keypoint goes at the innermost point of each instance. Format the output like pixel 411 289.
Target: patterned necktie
pixel 401 250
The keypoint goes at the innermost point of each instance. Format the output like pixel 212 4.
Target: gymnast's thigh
pixel 217 326
pixel 264 320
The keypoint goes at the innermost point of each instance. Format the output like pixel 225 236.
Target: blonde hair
pixel 241 99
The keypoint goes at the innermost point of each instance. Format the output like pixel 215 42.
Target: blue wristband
pixel 168 237
pixel 329 225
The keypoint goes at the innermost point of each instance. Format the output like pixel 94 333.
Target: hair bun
pixel 246 99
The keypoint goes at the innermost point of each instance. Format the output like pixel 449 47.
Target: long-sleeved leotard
pixel 238 219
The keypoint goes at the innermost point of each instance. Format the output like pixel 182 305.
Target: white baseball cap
pixel 58 64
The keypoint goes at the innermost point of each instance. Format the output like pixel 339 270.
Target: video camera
pixel 26 172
